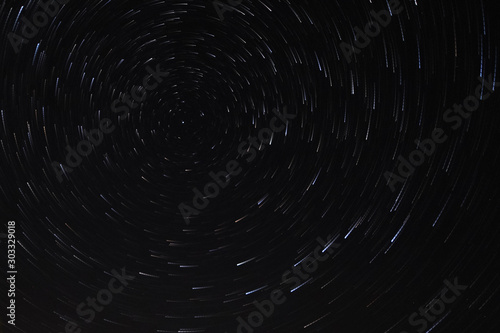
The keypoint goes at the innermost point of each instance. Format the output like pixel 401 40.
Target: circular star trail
pixel 377 197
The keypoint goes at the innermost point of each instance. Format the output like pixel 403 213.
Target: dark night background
pixel 324 175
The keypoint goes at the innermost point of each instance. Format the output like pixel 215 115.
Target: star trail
pixel 249 166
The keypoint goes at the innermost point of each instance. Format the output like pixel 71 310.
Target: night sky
pixel 191 159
